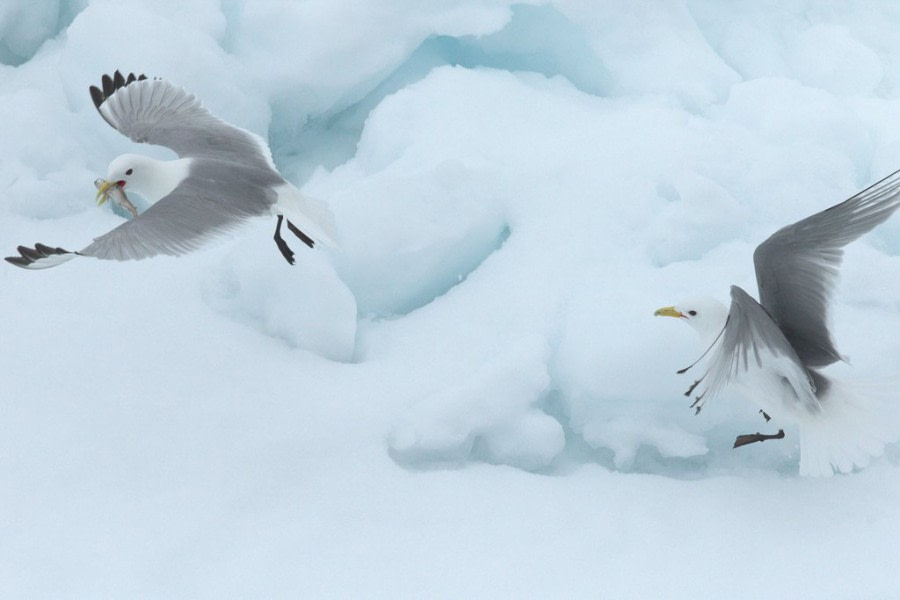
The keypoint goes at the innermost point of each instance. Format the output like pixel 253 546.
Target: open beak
pixel 116 190
pixel 668 311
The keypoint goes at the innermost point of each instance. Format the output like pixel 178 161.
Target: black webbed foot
pixel 751 438
pixel 303 237
pixel 282 245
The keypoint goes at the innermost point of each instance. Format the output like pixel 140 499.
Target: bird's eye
pixel 129 171
pixel 693 313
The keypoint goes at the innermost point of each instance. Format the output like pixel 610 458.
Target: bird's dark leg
pixel 765 416
pixel 303 237
pixel 750 438
pixel 282 245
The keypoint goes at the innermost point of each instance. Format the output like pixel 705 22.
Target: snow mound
pixel 493 418
pixel 305 305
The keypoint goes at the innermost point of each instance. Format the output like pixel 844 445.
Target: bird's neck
pixel 711 327
pixel 167 175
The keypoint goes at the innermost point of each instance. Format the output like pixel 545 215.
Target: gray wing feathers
pixel 797 267
pixel 182 221
pixel 751 340
pixel 154 111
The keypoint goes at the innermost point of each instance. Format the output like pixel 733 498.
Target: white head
pixel 150 178
pixel 706 315
pixel 130 172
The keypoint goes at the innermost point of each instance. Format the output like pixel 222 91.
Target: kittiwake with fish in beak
pixel 224 175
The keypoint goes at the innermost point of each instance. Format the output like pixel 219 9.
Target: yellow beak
pixel 103 187
pixel 667 311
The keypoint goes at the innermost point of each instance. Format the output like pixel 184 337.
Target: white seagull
pixel 774 349
pixel 223 176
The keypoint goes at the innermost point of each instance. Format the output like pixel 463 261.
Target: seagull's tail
pixel 310 215
pixel 855 423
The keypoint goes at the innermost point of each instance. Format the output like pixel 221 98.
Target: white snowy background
pixel 471 397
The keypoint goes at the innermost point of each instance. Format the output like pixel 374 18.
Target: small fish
pixel 112 188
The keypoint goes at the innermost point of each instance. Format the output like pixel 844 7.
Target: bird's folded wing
pixel 750 344
pixel 155 111
pixel 797 267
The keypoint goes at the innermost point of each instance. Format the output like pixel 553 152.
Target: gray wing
pixel 197 210
pixel 751 341
pixel 797 267
pixel 154 111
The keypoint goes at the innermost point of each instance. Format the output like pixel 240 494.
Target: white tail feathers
pixel 855 423
pixel 310 215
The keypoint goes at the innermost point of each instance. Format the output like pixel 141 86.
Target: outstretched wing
pixel 797 267
pixel 155 111
pixel 201 207
pixel 752 342
pixel 181 222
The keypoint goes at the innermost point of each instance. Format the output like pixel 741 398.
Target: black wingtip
pixel 107 85
pixel 29 256
pixel 111 84
pixel 97 96
pixel 18 261
pixel 46 250
pixel 28 253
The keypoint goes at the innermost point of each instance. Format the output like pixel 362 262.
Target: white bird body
pixel 307 213
pixel 773 350
pixel 773 382
pixel 840 426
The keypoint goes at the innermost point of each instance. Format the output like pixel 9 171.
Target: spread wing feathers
pixel 752 344
pixel 155 111
pixel 797 267
pixel 181 222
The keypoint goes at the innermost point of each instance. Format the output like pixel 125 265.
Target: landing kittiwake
pixel 773 349
pixel 223 176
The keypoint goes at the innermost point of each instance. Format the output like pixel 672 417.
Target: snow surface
pixel 470 398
